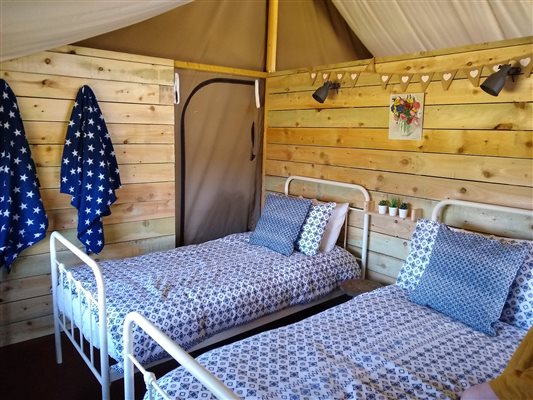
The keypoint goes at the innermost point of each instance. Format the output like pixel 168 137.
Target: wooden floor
pixel 28 370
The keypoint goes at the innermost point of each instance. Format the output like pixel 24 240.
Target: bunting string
pixel 446 77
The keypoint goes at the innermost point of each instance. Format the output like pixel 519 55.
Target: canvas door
pixel 222 160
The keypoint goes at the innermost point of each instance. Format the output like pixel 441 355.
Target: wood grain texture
pixel 474 146
pixel 56 110
pixel 26 84
pixel 51 155
pixel 135 96
pixel 503 143
pixel 85 66
pixel 49 133
pixel 132 173
pixel 477 168
pixel 505 116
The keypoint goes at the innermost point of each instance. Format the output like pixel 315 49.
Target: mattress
pixel 376 346
pixel 194 292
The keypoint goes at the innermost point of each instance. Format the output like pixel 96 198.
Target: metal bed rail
pixel 441 205
pixel 61 278
pixel 212 383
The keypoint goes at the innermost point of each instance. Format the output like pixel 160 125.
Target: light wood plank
pixel 50 155
pixel 380 263
pixel 385 224
pixel 126 212
pixel 25 309
pixel 475 142
pixel 132 173
pixel 505 116
pixel 80 66
pixel 300 80
pixel 37 109
pixel 18 289
pixel 380 243
pixel 405 185
pixel 496 45
pixel 130 193
pixel 483 169
pixel 113 55
pixel 62 87
pixel 461 92
pixel 39 285
pixel 49 133
pixel 331 193
pixel 35 260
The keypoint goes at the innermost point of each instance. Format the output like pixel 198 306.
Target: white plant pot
pixel 382 209
pixel 403 213
pixel 393 211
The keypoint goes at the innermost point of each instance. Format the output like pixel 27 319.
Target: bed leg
pixel 57 337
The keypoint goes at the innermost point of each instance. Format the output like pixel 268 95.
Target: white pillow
pixel 333 228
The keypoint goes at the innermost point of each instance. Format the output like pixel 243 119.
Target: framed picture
pixel 406 114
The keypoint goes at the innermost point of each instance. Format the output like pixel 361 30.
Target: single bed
pixel 379 345
pixel 197 295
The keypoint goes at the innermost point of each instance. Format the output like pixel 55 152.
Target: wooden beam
pixel 220 69
pixel 272 37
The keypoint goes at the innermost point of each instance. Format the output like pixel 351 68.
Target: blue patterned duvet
pixel 376 346
pixel 194 292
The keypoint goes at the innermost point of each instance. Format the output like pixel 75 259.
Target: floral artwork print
pixel 405 117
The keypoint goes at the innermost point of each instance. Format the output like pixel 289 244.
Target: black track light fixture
pixel 495 82
pixel 321 93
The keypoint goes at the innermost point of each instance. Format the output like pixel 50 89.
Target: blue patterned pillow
pixel 314 227
pixel 468 278
pixel 418 258
pixel 280 223
pixel 518 309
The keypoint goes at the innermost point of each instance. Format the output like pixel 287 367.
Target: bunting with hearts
pixel 425 80
pixel 404 81
pixel 446 78
pixel 472 73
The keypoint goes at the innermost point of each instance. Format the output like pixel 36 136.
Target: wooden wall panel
pixel 135 95
pixel 474 146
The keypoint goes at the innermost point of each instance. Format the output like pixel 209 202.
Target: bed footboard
pixel 215 386
pixel 75 301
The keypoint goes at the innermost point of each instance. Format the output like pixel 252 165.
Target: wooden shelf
pixel 412 215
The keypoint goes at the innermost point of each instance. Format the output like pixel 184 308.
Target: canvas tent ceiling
pixel 393 27
pixel 232 33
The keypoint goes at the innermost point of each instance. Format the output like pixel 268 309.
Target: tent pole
pixel 272 35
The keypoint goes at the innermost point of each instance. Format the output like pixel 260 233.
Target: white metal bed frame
pixel 216 386
pixel 61 276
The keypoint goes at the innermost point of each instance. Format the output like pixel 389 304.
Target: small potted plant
pixel 393 206
pixel 404 208
pixel 382 206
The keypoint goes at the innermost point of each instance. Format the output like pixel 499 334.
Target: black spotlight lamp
pixel 321 93
pixel 493 85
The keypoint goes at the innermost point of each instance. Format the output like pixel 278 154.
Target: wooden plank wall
pixel 474 147
pixel 135 95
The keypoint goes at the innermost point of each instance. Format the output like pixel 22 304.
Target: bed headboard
pixel 437 214
pixel 366 217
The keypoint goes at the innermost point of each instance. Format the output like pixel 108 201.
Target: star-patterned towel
pixel 89 169
pixel 23 220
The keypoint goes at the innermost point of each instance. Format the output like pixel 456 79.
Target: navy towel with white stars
pixel 89 169
pixel 23 220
